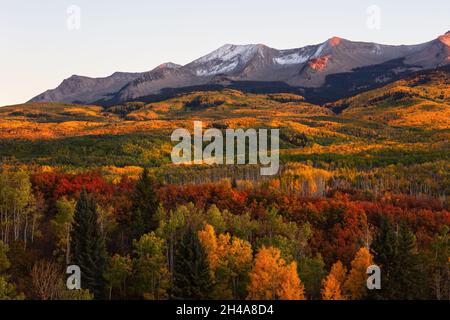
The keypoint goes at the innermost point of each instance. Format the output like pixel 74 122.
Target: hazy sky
pixel 38 49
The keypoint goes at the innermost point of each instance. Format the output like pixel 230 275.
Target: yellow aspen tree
pixel 222 248
pixel 333 283
pixel 272 279
pixel 355 285
pixel 235 261
pixel 290 286
pixel 229 260
pixel 240 255
pixel 208 239
pixel 339 271
pixel 331 289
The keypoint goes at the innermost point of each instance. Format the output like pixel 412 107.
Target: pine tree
pixel 384 249
pixel 439 264
pixel 145 204
pixel 410 275
pixel 191 274
pixel 87 245
pixel 402 276
pixel 137 225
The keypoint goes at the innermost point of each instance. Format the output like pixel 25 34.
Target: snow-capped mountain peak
pixel 225 59
pixel 230 52
pixel 306 67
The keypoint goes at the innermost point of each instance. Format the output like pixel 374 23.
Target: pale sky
pixel 38 50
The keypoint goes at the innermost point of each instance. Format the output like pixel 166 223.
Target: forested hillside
pixel 363 180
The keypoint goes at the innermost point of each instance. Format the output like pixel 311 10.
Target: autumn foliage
pixel 354 285
pixel 332 285
pixel 271 278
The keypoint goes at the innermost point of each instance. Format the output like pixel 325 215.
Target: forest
pixel 142 239
pixel 363 181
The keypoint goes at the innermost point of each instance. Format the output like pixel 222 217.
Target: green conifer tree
pixel 394 252
pixel 191 275
pixel 411 273
pixel 145 204
pixel 88 247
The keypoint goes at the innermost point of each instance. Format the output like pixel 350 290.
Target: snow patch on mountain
pixel 293 58
pixel 319 50
pixel 230 52
pixel 225 67
pixel 377 50
pixel 225 59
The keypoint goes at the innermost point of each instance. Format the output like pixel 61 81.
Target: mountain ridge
pixel 305 69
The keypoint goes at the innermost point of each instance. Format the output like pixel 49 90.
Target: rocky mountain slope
pixel 333 69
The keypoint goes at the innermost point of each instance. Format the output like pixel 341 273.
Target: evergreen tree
pixel 191 274
pixel 411 281
pixel 394 252
pixel 439 265
pixel 384 250
pixel 145 204
pixel 87 245
pixel 137 225
pixel 384 244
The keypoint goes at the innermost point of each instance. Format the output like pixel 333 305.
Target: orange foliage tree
pixel 332 284
pixel 229 260
pixel 355 285
pixel 272 279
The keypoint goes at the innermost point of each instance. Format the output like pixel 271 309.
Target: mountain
pixel 79 89
pixel 324 72
pixel 432 54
